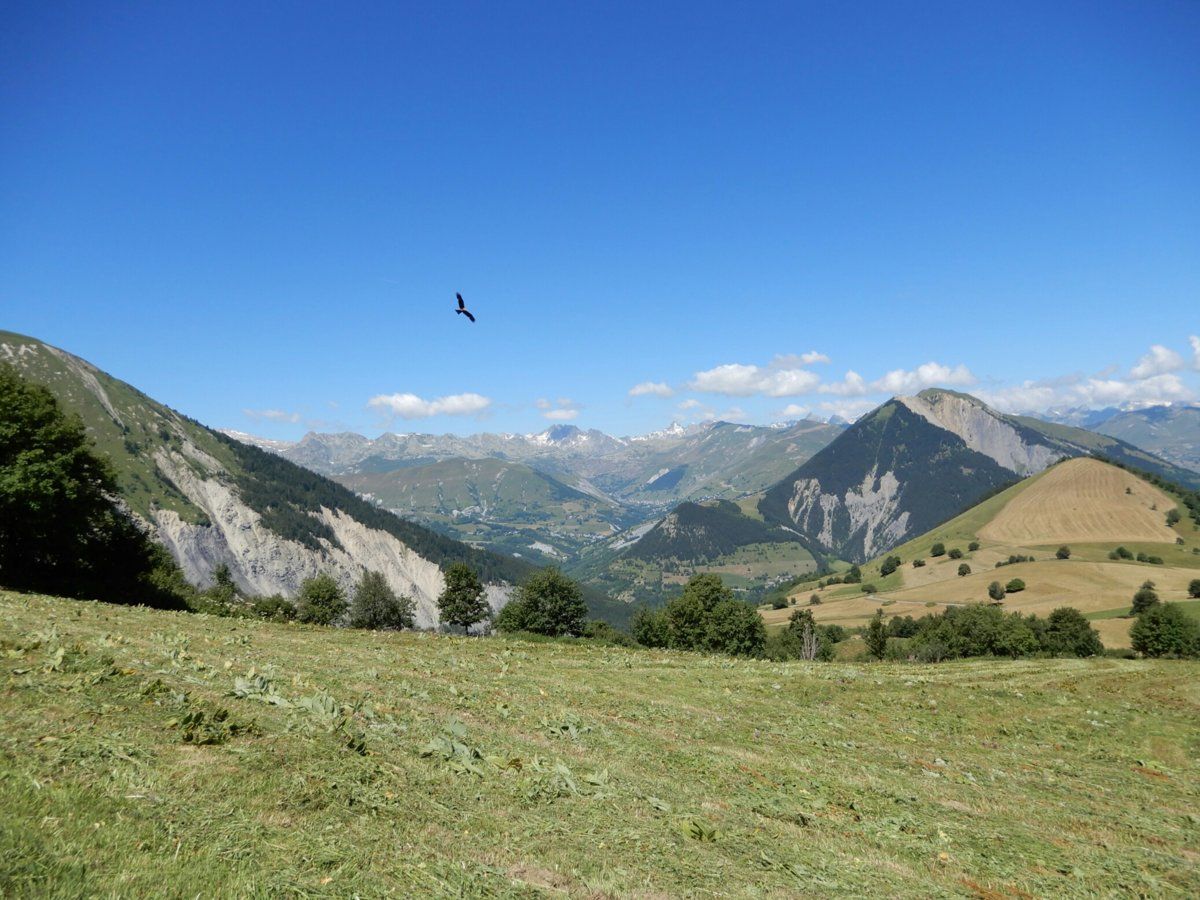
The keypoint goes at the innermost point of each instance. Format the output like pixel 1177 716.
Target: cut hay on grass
pixel 159 754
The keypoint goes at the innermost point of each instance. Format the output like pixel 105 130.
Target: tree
pixel 890 565
pixel 815 600
pixel 1172 518
pixel 964 569
pixel 1163 629
pixel 854 576
pixel 547 603
pixel 462 601
pixel 804 629
pixel 321 600
pixel 973 546
pixel 996 591
pixel 918 563
pixel 779 602
pixel 61 530
pixel 375 605
pixel 955 553
pixel 877 637
pixel 938 549
pixel 1068 633
pixel 1145 598
pixel 1015 586
pixel 1064 552
pixel 649 628
pixel 1194 588
pixel 687 615
pixel 736 628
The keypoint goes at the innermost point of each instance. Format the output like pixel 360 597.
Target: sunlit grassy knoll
pixel 127 768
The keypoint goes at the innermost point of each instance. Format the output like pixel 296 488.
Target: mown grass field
pixel 146 754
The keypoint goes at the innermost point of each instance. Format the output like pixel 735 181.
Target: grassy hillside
pixel 1086 504
pixel 142 750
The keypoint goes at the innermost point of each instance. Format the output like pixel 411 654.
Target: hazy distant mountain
pixel 916 461
pixel 1171 431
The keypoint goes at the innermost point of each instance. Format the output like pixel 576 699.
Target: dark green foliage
pixel 687 615
pixel 1194 588
pixel 889 565
pixel 876 636
pixel 462 602
pixel 779 602
pixel 1120 553
pixel 548 603
pixel 803 639
pixel 60 531
pixel 735 628
pixel 1015 586
pixel 918 563
pixel 1164 629
pixel 973 546
pixel 996 591
pixel 853 576
pixel 1063 552
pixel 963 569
pixel 649 628
pixel 868 589
pixel 1015 558
pixel 955 553
pixel 1067 633
pixel 285 495
pixel 603 632
pixel 375 605
pixel 1172 518
pixel 902 627
pixel 814 600
pixel 1145 598
pixel 938 549
pixel 701 532
pixel 321 600
pixel 275 608
pixel 975 630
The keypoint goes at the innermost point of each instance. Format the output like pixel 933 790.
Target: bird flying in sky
pixel 462 308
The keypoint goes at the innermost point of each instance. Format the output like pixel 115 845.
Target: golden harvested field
pixel 1083 500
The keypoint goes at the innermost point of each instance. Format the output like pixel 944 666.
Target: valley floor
pixel 146 753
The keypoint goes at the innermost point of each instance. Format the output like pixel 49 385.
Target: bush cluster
pixel 706 617
pixel 964 631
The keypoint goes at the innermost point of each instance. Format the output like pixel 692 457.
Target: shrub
pixel 649 628
pixel 876 637
pixel 963 569
pixel 1120 553
pixel 1145 598
pixel 854 576
pixel 596 630
pixel 890 565
pixel 973 546
pixel 938 549
pixel 868 588
pixel 814 600
pixel 955 553
pixel 1194 588
pixel 918 563
pixel 321 600
pixel 1173 518
pixel 996 591
pixel 902 627
pixel 779 603
pixel 275 608
pixel 1165 630
pixel 688 614
pixel 1063 552
pixel 736 628
pixel 547 603
pixel 1015 586
pixel 462 601
pixel 1068 633
pixel 375 605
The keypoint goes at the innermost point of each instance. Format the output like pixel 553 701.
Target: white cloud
pixel 271 415
pixel 853 385
pixel 736 380
pixel 562 410
pixel 793 411
pixel 410 406
pixel 1095 391
pixel 653 388
pixel 690 403
pixel 931 374
pixel 1195 342
pixel 849 410
pixel 1159 361
pixel 812 356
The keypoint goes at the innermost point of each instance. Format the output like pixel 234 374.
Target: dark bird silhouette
pixel 462 308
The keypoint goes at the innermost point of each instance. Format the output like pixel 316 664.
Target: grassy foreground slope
pixel 128 768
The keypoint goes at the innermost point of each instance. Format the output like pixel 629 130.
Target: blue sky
pixel 260 213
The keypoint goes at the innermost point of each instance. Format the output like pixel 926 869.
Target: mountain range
pixel 213 500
